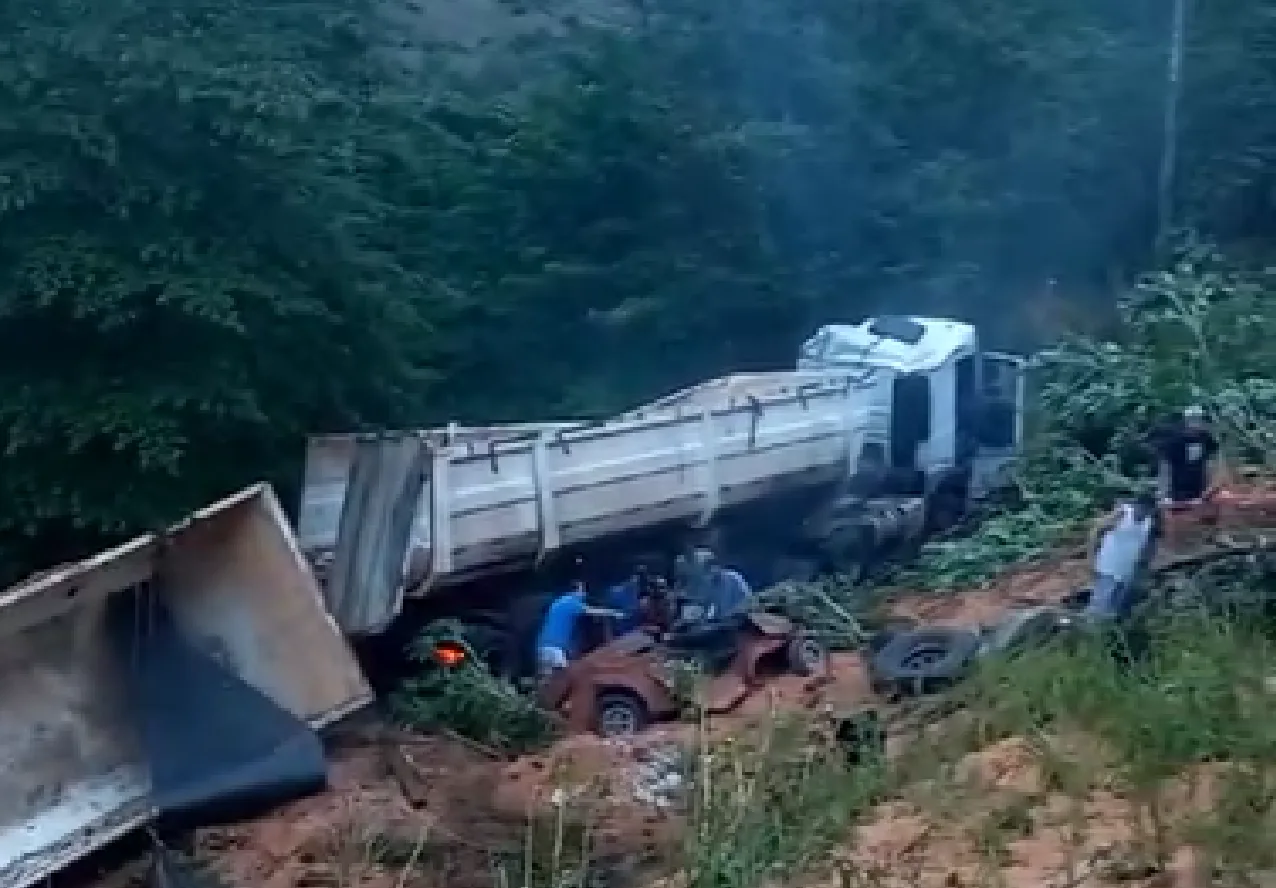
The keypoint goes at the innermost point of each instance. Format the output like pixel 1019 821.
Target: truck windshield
pixel 901 329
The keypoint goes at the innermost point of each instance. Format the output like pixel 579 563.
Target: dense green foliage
pixel 225 224
pixel 1202 332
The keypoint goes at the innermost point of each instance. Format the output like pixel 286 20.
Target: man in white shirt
pixel 1123 543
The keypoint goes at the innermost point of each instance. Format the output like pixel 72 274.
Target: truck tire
pixel 525 615
pixel 794 570
pixel 884 631
pixel 848 551
pixel 620 714
pixel 487 642
pixel 946 506
pixel 923 661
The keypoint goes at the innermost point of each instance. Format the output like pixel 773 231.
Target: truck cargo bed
pixel 496 499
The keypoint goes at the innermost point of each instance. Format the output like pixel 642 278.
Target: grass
pixel 1130 768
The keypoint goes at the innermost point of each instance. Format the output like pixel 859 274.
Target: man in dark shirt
pixel 1186 450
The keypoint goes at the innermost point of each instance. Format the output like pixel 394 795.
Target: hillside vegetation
pixel 225 225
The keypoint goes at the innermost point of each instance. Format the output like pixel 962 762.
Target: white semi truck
pixel 415 514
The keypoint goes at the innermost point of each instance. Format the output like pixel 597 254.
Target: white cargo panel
pixel 73 775
pixel 494 503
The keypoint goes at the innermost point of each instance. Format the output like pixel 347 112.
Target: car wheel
pixel 620 714
pixel 807 656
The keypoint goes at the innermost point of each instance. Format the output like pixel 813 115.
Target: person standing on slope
pixel 1123 543
pixel 1186 450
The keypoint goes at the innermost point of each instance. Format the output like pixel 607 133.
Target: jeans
pixel 1111 598
pixel 550 660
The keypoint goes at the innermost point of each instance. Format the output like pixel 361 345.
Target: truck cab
pixel 951 412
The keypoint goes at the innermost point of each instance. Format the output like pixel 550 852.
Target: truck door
pixel 910 425
pixel 999 426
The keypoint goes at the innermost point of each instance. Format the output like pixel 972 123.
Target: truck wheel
pixel 794 570
pixel 524 620
pixel 923 661
pixel 806 656
pixel 488 642
pixel 848 552
pixel 946 511
pixel 620 714
pixel 882 633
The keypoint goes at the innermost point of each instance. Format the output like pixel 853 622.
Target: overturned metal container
pixel 74 768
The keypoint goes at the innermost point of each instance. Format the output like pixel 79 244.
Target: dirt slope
pixel 464 819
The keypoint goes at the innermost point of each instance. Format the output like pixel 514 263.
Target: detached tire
pixel 923 661
pixel 806 656
pixel 886 630
pixel 620 714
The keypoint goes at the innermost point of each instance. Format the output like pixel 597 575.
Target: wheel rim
pixel 810 653
pixel 921 657
pixel 618 720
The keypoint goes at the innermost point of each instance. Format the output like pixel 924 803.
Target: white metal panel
pixel 737 439
pixel 72 775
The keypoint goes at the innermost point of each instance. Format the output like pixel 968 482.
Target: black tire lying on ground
pixel 881 632
pixel 923 661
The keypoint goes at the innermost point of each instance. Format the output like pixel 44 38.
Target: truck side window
pixel 997 416
pixel 910 418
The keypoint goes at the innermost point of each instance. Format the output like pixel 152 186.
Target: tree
pixel 187 281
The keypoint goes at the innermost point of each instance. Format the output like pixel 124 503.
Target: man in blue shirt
pixel 556 643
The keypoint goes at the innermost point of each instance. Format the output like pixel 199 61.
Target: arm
pixel 1102 526
pixel 1215 470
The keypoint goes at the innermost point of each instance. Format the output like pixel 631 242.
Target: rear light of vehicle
pixel 450 654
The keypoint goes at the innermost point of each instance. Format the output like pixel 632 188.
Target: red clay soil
pixel 1044 584
pixel 459 817
pixel 463 814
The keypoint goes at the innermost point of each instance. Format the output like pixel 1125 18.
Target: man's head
pixel 1146 502
pixel 703 557
pixel 577 583
pixel 1194 416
